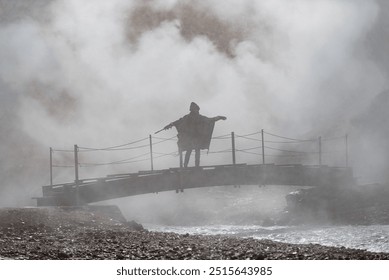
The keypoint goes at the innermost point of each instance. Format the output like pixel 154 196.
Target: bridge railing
pixel 260 147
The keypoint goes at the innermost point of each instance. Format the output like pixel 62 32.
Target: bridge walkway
pixel 178 179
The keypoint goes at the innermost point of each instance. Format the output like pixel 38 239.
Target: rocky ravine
pixel 102 233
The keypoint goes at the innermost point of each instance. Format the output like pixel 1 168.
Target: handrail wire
pixel 172 153
pixel 288 151
pixel 114 147
pixel 288 138
pixel 113 162
pixel 249 149
pixel 126 149
pixel 162 138
pixel 251 134
pixel 220 152
pixel 127 162
pixel 245 152
pixel 65 151
pixel 222 137
pixel 284 142
pixel 332 138
pixel 270 155
pixel 296 156
pixel 248 138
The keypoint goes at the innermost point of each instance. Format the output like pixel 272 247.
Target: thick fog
pixel 105 73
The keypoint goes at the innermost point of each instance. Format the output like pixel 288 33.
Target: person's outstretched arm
pixel 175 123
pixel 170 125
pixel 218 118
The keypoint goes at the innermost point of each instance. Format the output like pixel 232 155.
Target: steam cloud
pixel 100 73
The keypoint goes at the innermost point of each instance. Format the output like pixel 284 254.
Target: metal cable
pixel 64 166
pixel 288 151
pixel 288 138
pixel 296 156
pixel 114 147
pixel 220 152
pixel 333 138
pixel 283 142
pixel 164 154
pixel 125 149
pixel 248 149
pixel 222 137
pixel 129 160
pixel 249 138
pixel 65 151
pixel 245 152
pixel 162 138
pixel 113 162
pixel 251 134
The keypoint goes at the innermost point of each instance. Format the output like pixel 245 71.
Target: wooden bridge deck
pixel 143 182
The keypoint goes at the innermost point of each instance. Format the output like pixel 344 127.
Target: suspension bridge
pixel 269 159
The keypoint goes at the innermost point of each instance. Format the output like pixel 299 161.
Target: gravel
pixel 102 233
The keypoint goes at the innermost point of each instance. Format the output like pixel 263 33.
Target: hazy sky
pixel 103 73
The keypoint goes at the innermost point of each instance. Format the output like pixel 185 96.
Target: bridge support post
pixel 76 164
pixel 76 172
pixel 346 140
pixel 51 167
pixel 151 153
pixel 320 162
pixel 233 147
pixel 263 147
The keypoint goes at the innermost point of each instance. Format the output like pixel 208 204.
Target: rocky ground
pixel 102 233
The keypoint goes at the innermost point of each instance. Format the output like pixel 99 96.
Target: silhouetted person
pixel 194 133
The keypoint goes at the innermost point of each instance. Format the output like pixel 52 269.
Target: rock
pixel 134 226
pixel 62 255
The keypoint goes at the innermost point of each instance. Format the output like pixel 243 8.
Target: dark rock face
pixel 83 234
pixel 359 205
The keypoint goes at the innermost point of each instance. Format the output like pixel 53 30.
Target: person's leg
pixel 197 157
pixel 180 154
pixel 187 157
